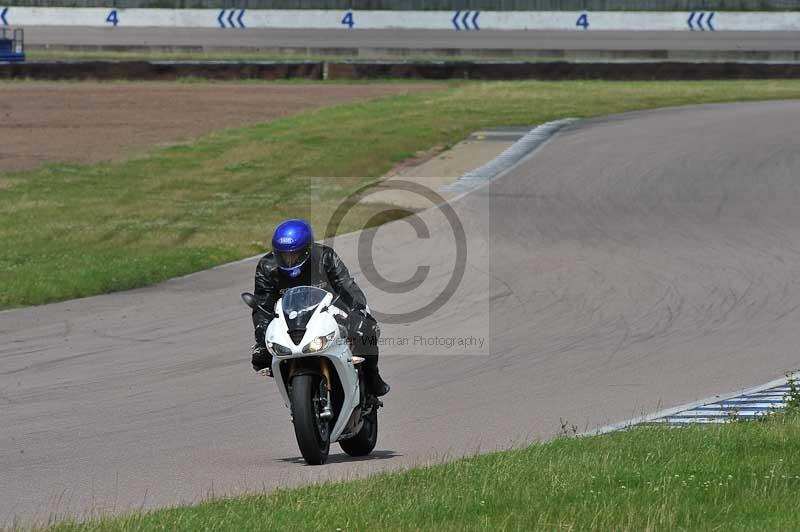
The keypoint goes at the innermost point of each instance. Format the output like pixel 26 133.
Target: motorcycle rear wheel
pixel 312 433
pixel 364 442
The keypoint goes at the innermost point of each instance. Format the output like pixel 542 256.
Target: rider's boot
pixel 375 384
pixel 262 360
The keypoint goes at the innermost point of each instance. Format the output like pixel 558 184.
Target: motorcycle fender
pixel 338 362
pixel 286 370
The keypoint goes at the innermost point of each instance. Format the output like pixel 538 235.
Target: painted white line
pixel 515 153
pixel 686 423
pixel 702 413
pixel 747 407
pixel 748 400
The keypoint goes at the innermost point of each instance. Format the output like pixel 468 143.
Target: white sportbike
pixel 317 375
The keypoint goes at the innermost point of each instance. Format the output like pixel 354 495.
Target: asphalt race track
pixel 270 39
pixel 633 263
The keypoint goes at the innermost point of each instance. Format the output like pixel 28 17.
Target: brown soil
pixel 92 122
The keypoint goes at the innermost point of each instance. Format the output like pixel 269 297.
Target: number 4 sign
pixel 112 18
pixel 348 19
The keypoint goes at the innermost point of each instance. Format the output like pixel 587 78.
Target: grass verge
pixel 76 230
pixel 738 476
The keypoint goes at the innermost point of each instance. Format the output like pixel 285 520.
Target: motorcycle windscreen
pixel 299 304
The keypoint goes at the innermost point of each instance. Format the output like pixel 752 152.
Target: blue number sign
pixel 348 19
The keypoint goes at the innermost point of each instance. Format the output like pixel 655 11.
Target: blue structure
pixel 12 45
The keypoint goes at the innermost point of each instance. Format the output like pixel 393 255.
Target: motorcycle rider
pixel 296 260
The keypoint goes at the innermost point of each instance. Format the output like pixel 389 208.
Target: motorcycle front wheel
pixel 311 431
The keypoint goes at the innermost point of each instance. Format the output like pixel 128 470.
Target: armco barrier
pixel 434 5
pixel 367 53
pixel 460 20
pixel 141 70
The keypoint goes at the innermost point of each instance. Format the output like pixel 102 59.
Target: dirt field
pixel 92 122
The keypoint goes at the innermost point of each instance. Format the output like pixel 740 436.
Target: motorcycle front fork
pixel 326 412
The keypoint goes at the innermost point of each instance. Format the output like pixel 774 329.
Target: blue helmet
pixel 291 245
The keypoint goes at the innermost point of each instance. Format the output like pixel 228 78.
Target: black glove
pixel 361 323
pixel 262 359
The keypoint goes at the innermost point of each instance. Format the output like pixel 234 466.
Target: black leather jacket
pixel 323 269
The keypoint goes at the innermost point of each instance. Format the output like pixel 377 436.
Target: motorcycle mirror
pixel 249 300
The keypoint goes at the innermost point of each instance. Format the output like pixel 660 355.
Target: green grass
pixel 70 230
pixel 740 476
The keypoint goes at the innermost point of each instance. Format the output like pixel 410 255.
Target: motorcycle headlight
pixel 319 343
pixel 278 350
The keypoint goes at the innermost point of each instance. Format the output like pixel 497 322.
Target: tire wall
pixel 140 70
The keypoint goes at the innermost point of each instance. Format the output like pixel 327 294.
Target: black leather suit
pixel 323 269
